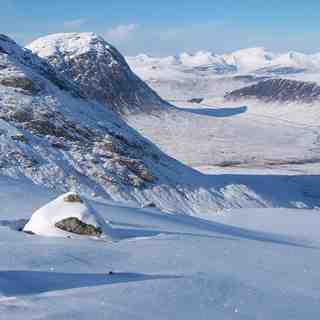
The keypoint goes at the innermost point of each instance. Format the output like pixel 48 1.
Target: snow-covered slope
pixel 99 70
pixel 247 264
pixel 267 141
pixel 57 139
pixel 207 75
pixel 54 138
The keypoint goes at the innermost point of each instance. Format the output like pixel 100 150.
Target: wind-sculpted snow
pixel 99 70
pixel 282 90
pixel 248 263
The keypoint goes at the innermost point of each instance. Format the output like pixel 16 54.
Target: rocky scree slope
pixel 99 70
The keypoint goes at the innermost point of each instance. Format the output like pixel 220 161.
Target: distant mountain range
pixel 207 75
pixel 252 60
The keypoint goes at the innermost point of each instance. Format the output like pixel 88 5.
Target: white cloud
pixel 121 32
pixel 74 24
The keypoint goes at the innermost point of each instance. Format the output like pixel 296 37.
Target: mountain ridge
pixel 99 70
pixel 243 60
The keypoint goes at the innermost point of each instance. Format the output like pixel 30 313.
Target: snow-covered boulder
pixel 68 214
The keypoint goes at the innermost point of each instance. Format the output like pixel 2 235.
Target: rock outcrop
pixel 99 70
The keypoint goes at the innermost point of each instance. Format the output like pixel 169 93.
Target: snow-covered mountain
pixel 241 61
pixel 55 138
pixel 207 75
pixel 99 70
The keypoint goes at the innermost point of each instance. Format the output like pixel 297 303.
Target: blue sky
pixel 162 27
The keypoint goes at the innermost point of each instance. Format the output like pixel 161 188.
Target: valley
pixel 181 187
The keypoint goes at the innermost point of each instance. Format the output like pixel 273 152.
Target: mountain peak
pixel 72 44
pixel 99 70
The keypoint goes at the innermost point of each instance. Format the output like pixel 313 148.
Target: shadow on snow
pixel 218 113
pixel 15 283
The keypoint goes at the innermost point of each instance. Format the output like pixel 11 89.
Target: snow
pixel 200 58
pixel 73 44
pixel 208 75
pixel 251 134
pixel 244 60
pixel 225 240
pixel 99 70
pixel 44 219
pixel 247 264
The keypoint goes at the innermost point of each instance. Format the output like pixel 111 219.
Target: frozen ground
pixel 243 264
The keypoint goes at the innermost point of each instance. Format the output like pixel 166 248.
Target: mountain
pixel 185 62
pixel 281 90
pixel 247 60
pixel 244 61
pixel 54 137
pixel 99 70
pixel 207 75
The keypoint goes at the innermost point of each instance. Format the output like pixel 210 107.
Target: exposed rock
pixel 20 137
pixel 3 51
pixel 21 115
pixel 138 168
pixel 72 197
pixel 21 83
pixel 74 225
pixel 149 205
pixel 196 100
pixel 282 90
pixel 100 71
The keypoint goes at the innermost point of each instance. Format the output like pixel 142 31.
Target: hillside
pixel 99 70
pixel 54 138
pixel 242 264
pixel 281 90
